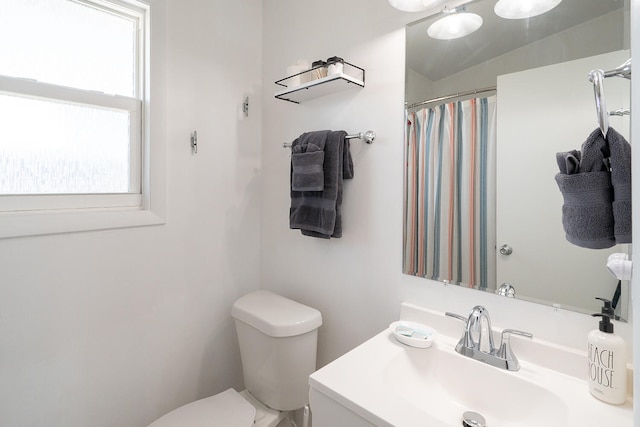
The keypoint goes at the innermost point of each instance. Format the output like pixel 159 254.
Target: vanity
pixel 387 383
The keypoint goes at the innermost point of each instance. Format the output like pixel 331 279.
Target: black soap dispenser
pixel 607 354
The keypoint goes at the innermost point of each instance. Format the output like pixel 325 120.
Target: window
pixel 74 90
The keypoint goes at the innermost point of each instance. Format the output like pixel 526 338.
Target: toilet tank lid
pixel 275 315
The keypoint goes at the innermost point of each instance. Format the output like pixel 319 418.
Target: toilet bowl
pixel 278 343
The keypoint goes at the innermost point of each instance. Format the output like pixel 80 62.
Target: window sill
pixel 14 225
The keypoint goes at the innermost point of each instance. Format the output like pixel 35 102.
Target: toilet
pixel 278 341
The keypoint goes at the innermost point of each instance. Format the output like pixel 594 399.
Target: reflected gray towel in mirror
pixel 587 211
pixel 568 162
pixel 595 153
pixel 620 160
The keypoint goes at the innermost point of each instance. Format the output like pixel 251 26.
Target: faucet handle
pixel 505 352
pixel 508 332
pixel 466 342
pixel 456 316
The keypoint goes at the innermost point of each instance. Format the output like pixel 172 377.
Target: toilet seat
pixel 227 409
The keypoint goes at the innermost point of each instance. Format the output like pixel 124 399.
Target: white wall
pixel 115 328
pixel 576 42
pixel 353 281
pixel 356 281
pixel 418 88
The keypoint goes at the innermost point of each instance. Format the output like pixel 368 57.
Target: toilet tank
pixel 278 342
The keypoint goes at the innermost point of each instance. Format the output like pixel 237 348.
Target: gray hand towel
pixel 595 153
pixel 318 213
pixel 620 160
pixel 307 161
pixel 587 212
pixel 568 162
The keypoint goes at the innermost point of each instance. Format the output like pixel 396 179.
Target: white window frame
pixel 30 215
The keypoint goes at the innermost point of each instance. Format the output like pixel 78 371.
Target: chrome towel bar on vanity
pixel 368 137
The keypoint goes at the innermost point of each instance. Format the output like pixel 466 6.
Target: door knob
pixel 506 250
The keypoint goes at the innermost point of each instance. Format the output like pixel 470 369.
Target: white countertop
pixel 382 382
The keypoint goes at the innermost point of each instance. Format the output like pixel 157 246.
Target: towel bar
pixel 368 137
pixel 597 78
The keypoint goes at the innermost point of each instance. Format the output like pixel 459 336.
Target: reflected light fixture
pixel 413 5
pixel 522 9
pixel 455 24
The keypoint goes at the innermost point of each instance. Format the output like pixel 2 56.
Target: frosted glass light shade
pixel 413 5
pixel 522 9
pixel 455 25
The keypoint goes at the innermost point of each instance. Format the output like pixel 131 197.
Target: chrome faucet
pixel 477 340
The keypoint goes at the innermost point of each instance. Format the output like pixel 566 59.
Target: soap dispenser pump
pixel 607 307
pixel 607 357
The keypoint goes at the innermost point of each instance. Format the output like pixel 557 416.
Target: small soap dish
pixel 413 334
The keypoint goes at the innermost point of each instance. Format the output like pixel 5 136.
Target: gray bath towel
pixel 347 173
pixel 347 161
pixel 620 151
pixel 587 212
pixel 307 161
pixel 318 213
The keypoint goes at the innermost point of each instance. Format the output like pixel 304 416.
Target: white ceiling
pixel 436 59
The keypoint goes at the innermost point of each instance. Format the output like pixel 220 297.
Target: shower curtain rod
pixel 457 95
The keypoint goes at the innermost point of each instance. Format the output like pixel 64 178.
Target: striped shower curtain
pixel 449 200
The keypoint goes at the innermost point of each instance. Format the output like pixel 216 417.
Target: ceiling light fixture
pixel 522 9
pixel 413 5
pixel 454 25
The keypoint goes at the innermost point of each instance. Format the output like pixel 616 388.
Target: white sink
pixel 454 384
pixel 385 383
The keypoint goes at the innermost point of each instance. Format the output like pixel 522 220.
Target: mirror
pixel 529 78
